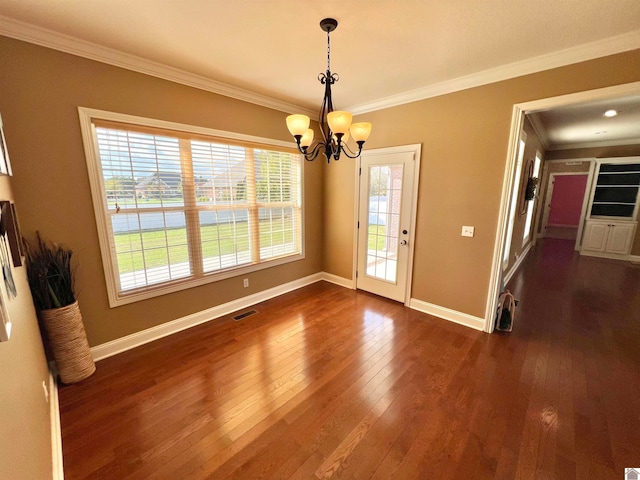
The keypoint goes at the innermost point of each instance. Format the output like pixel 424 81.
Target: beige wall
pixel 464 137
pixel 41 90
pixel 25 441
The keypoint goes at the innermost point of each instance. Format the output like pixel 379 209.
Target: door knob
pixel 403 242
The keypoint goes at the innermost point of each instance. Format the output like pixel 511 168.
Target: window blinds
pixel 181 206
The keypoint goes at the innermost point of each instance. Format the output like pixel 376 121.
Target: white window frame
pixel 522 144
pixel 117 297
pixel 528 223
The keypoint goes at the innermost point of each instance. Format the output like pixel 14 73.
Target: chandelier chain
pixel 328 51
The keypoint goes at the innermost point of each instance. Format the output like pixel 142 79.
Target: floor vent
pixel 240 316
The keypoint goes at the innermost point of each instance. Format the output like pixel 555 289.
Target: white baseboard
pixel 465 319
pixel 634 258
pixel 56 432
pixel 120 345
pixel 343 282
pixel 610 256
pixel 516 265
pixel 105 350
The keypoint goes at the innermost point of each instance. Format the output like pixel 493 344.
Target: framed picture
pixel 9 226
pixel 5 164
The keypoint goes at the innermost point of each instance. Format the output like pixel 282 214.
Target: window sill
pixel 117 299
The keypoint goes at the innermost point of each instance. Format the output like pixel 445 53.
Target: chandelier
pixel 335 126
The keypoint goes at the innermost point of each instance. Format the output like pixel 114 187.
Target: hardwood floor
pixel 325 382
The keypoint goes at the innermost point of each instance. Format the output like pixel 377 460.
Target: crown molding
pixel 561 58
pixel 68 44
pixel 538 127
pixel 604 143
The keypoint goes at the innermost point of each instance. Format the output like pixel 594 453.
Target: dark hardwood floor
pixel 325 382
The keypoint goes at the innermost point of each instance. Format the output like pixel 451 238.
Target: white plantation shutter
pixel 179 207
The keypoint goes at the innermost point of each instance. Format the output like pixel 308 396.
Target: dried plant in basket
pixel 50 273
pixel 51 280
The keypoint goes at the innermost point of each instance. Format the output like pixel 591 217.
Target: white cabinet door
pixel 595 237
pixel 620 238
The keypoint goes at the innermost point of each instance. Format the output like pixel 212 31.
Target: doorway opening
pixel 563 214
pixel 517 123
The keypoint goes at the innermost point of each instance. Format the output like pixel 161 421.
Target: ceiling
pixel 585 125
pixel 384 51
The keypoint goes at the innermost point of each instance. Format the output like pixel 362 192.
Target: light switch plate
pixel 468 231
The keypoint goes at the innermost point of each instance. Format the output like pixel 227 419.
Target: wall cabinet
pixel 616 189
pixel 614 200
pixel 608 239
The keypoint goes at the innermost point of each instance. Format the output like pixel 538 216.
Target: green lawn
pixel 216 240
pixel 377 239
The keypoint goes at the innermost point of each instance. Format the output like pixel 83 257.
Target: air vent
pixel 240 316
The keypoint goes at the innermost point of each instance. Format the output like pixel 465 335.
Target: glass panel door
pixel 383 223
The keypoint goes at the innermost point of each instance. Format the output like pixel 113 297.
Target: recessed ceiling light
pixel 610 113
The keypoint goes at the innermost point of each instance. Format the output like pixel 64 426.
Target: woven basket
pixel 68 342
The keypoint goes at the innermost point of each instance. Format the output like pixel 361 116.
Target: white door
pixel 386 220
pixel 595 237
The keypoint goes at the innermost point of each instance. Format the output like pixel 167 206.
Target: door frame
pixel 585 200
pixel 416 149
pixel 544 186
pixel 517 122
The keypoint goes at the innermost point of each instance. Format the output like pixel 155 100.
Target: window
pixel 514 200
pixel 178 206
pixel 531 203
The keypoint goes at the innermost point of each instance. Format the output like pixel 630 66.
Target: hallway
pixel 581 317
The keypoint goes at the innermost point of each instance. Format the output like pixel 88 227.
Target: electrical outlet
pixel 245 282
pixel 46 391
pixel 468 231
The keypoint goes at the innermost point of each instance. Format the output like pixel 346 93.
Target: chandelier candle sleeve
pixel 335 126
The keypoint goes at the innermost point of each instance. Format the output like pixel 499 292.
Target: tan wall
pixel 41 90
pixel 464 137
pixel 25 441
